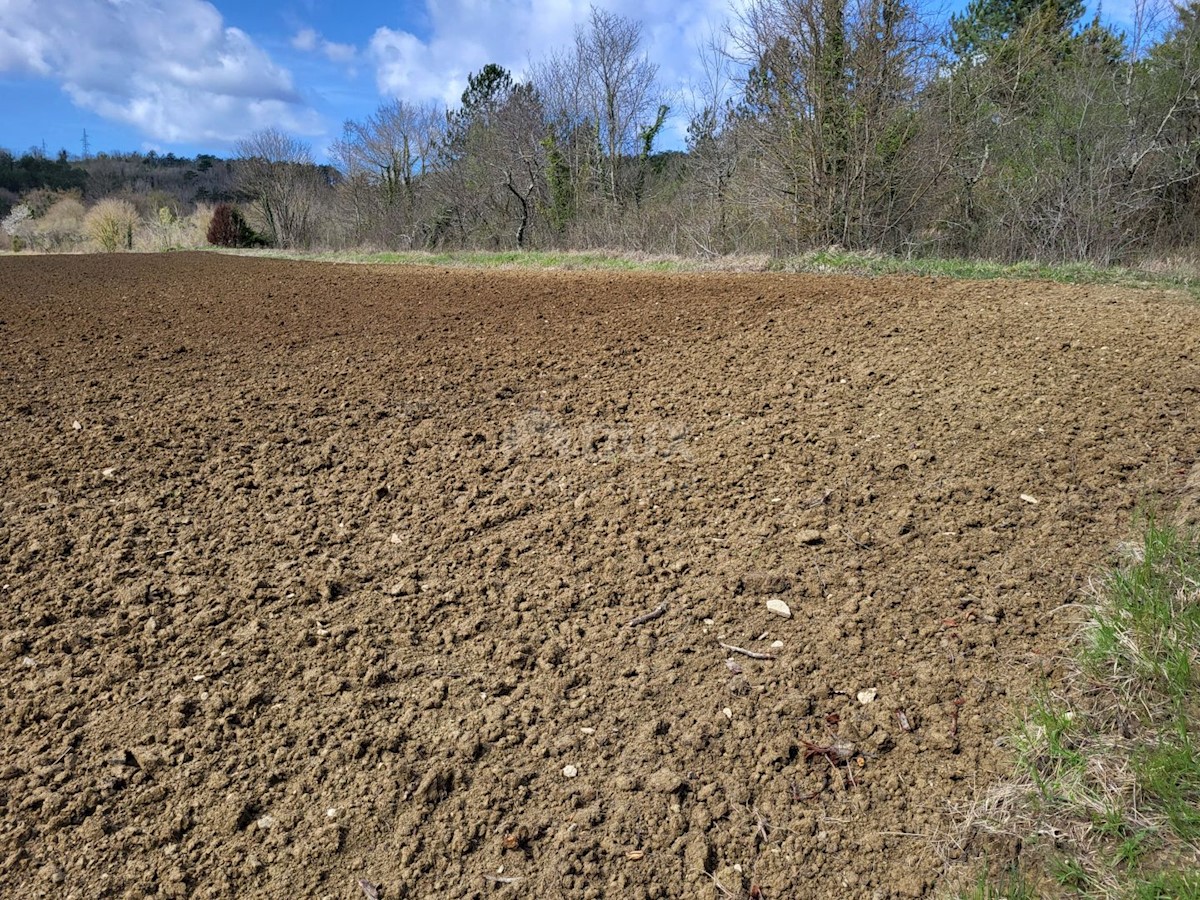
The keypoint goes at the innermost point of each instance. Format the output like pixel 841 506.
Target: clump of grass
pixel 1107 790
pixel 1010 884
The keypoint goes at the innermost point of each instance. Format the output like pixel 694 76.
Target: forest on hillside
pixel 1018 129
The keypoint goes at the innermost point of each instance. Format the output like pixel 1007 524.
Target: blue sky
pixel 188 76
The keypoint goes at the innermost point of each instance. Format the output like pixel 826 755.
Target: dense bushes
pixel 111 223
pixel 228 228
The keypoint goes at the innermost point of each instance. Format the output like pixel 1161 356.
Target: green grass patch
pixel 1106 794
pixel 851 262
pixel 1010 884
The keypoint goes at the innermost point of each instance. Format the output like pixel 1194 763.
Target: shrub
pixel 228 228
pixel 16 223
pixel 110 223
pixel 61 226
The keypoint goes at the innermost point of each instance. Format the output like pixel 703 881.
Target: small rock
pixel 76 426
pixel 809 536
pixel 733 666
pixel 570 771
pixel 775 645
pixel 867 696
pixel 265 822
pixel 1029 499
pixel 395 538
pixel 728 713
pixel 779 608
pixel 664 781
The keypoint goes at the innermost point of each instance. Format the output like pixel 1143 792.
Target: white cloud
pixel 339 53
pixel 170 68
pixel 306 39
pixel 465 35
pixel 309 40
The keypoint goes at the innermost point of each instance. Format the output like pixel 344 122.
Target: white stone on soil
pixel 779 608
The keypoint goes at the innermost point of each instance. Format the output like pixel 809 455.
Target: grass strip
pixel 1106 795
pixel 842 262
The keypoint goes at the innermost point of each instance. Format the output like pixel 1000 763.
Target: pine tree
pixel 987 24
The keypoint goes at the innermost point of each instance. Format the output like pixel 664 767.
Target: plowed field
pixel 312 574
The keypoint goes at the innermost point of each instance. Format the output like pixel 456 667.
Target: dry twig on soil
pixel 753 654
pixel 647 617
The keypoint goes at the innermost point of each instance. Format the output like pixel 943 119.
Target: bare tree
pixel 713 150
pixel 278 174
pixel 572 149
pixel 619 82
pixel 385 159
pixel 829 98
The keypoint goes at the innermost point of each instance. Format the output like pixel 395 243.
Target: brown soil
pixel 314 574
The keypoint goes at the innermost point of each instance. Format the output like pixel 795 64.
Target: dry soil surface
pixel 313 574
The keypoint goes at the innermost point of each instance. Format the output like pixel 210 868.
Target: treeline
pixel 1016 130
pixel 177 182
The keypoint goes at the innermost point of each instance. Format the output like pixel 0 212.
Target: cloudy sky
pixel 191 76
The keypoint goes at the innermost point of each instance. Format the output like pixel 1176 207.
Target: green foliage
pixel 32 171
pixel 488 91
pixel 986 25
pixel 559 183
pixel 649 133
pixel 1009 885
pixel 1181 885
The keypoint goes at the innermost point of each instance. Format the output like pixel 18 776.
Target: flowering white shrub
pixel 14 223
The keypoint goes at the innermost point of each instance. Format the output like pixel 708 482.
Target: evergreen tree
pixel 987 24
